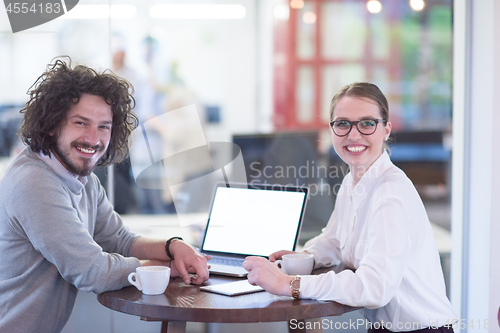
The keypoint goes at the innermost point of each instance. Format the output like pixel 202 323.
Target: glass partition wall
pixel 213 55
pixel 202 54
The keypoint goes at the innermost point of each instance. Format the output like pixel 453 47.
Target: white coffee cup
pixel 296 263
pixel 151 280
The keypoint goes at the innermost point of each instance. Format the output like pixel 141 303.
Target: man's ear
pixel 54 132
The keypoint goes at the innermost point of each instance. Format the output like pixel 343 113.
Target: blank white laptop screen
pixel 254 221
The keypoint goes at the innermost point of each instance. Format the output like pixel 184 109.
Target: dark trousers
pixel 441 329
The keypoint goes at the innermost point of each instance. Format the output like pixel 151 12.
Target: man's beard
pixel 64 157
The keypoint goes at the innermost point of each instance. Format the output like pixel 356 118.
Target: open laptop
pixel 251 220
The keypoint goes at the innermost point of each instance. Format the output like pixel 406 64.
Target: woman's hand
pixel 266 274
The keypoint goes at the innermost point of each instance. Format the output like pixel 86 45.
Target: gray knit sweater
pixel 57 235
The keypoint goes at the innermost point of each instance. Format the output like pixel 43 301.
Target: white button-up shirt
pixel 380 229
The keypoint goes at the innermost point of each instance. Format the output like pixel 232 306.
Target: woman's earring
pixel 386 138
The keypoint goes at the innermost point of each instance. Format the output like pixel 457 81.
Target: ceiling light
pixel 374 6
pixel 417 5
pixel 192 11
pixel 297 4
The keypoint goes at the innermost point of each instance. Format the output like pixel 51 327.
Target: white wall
pixel 494 276
pixel 457 193
pixel 265 65
pixel 476 182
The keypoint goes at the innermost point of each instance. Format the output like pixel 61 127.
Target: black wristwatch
pixel 167 246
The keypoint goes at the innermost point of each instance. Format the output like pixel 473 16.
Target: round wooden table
pixel 182 303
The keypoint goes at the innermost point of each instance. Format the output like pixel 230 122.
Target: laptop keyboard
pixel 226 261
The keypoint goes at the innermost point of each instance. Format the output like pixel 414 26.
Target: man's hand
pixel 151 252
pixel 267 275
pixel 189 260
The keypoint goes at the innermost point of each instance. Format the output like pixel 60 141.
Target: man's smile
pixel 86 150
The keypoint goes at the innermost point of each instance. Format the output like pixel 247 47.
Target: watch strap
pixel 167 246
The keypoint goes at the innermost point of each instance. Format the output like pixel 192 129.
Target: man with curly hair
pixel 58 231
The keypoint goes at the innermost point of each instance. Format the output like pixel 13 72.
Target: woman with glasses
pixel 379 229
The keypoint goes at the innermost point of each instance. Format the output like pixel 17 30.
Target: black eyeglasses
pixel 364 126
